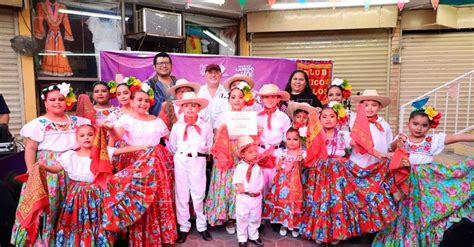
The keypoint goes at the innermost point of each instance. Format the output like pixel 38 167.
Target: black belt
pixel 198 155
pixel 252 194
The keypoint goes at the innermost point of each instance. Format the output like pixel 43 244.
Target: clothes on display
pixel 55 64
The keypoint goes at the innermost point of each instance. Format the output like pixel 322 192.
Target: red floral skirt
pixel 344 200
pixel 150 216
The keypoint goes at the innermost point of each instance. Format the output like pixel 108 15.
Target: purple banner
pixel 191 67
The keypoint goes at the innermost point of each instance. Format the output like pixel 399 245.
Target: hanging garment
pixel 55 64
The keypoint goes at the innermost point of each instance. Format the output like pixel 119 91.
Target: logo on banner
pixel 246 70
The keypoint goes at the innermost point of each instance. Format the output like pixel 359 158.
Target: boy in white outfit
pixel 248 181
pixel 190 141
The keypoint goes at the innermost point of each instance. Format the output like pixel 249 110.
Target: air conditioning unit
pixel 159 22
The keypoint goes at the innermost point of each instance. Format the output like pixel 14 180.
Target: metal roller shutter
pixel 10 83
pixel 431 60
pixel 361 56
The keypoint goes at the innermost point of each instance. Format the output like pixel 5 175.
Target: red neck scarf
pixel 268 112
pixel 373 120
pixel 190 122
pixel 249 171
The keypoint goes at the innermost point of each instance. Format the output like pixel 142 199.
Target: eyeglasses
pixel 163 63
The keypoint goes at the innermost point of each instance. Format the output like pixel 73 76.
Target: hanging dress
pixel 54 64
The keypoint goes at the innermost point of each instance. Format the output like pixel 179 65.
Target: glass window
pixel 210 35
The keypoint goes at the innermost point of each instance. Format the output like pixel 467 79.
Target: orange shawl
pixel 101 166
pixel 400 168
pixel 315 140
pixel 360 133
pixel 35 201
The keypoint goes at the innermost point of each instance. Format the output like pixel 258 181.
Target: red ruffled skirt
pixel 157 226
pixel 344 200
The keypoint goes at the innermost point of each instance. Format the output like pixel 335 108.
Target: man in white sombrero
pixel 190 141
pixel 379 128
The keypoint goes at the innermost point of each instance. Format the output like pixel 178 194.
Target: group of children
pixel 326 174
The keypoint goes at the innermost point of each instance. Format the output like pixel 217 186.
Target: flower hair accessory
pixel 433 115
pixel 136 85
pixel 112 85
pixel 341 113
pixel 303 132
pixel 65 89
pixel 248 96
pixel 344 84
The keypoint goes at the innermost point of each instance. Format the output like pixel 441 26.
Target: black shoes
pixel 242 244
pixel 206 235
pixel 257 242
pixel 181 237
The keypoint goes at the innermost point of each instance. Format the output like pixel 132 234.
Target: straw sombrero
pixel 183 83
pixel 294 106
pixel 238 77
pixel 191 97
pixel 371 94
pixel 272 89
pixel 242 143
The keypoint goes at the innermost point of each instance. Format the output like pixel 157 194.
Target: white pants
pixel 249 213
pixel 190 176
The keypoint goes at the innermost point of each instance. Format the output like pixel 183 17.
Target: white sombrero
pixel 294 106
pixel 272 89
pixel 191 97
pixel 242 143
pixel 371 94
pixel 183 83
pixel 238 77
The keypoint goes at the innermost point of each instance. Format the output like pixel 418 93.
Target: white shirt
pixel 423 152
pixel 78 168
pixel 217 104
pixel 195 142
pixel 381 140
pixel 53 136
pixel 255 185
pixel 339 144
pixel 141 132
pixel 280 124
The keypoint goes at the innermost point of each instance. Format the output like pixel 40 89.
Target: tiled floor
pixel 269 237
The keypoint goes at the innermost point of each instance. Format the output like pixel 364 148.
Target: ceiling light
pixel 328 4
pixel 86 13
pixel 220 2
pixel 214 37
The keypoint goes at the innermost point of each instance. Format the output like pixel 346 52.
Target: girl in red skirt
pixel 340 196
pixel 283 204
pixel 158 225
pixel 80 220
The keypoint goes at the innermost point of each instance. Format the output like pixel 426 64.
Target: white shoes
pixel 295 233
pixel 230 228
pixel 283 231
pixel 318 242
pixel 335 242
